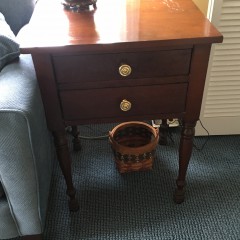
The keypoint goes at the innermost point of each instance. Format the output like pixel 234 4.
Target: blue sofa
pixel 26 146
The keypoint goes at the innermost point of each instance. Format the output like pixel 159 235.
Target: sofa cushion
pixel 9 48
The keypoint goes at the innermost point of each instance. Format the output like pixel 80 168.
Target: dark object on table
pixel 79 5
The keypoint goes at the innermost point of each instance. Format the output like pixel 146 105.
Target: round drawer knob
pixel 125 70
pixel 125 105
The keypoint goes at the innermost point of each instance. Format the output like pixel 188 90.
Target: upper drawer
pixel 104 67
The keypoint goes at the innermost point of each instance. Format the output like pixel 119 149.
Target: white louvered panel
pixel 228 18
pixel 229 35
pixel 225 74
pixel 226 47
pixel 230 4
pixel 231 40
pixel 231 10
pixel 222 78
pixel 221 102
pixel 222 82
pixel 229 58
pixel 233 64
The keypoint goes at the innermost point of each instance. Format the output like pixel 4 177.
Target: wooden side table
pixel 151 54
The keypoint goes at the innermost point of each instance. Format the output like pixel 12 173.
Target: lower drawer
pixel 105 103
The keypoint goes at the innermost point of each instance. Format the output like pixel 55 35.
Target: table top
pixel 117 22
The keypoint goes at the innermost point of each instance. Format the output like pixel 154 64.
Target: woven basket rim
pixel 131 150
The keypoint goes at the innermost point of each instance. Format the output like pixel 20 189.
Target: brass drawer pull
pixel 125 70
pixel 125 105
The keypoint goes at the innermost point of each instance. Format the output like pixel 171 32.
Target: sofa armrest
pixel 26 149
pixel 15 81
pixel 18 172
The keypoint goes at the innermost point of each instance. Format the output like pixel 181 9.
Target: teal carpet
pixel 139 205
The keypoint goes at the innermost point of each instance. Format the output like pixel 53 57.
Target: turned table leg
pixel 64 159
pixel 185 151
pixel 76 140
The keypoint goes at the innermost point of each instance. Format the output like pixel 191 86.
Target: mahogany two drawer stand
pixel 127 60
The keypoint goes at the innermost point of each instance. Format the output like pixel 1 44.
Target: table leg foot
pixel 72 203
pixel 179 194
pixel 178 197
pixel 185 151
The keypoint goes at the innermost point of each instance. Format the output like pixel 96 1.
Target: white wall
pixel 202 5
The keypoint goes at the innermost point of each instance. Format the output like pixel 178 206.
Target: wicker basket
pixel 134 145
